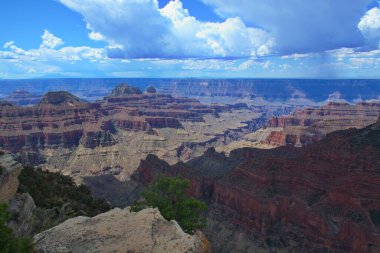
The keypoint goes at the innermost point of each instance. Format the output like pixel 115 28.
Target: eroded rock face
pixel 9 171
pixel 124 89
pixel 309 125
pixel 66 134
pixel 120 231
pixel 21 206
pixel 59 98
pixel 324 197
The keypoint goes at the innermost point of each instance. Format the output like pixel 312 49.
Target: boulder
pixel 120 230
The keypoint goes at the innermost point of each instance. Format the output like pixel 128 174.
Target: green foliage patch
pixel 58 198
pixel 169 195
pixel 9 243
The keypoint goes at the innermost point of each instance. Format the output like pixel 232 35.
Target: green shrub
pixel 169 195
pixel 9 243
pixel 58 198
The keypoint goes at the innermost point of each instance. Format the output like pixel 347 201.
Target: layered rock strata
pixel 324 197
pixel 308 125
pixel 111 136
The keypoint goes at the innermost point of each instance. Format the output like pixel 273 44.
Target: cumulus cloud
pixel 50 41
pixel 301 26
pixel 48 51
pixel 369 25
pixel 140 29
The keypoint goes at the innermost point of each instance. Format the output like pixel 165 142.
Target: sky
pixel 190 38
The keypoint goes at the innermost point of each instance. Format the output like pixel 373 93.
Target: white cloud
pixel 50 41
pixel 369 25
pixel 48 52
pixel 297 56
pixel 139 29
pixel 300 26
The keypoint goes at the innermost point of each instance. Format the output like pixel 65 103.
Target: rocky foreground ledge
pixel 120 231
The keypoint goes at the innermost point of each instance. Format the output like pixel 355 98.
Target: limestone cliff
pixel 120 231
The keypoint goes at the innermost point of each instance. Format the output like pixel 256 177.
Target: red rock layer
pixel 62 120
pixel 321 198
pixel 311 124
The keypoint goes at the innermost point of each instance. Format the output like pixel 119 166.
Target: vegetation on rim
pixel 169 195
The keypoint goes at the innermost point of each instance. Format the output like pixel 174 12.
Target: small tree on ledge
pixel 169 195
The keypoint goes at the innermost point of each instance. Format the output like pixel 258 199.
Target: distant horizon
pixel 194 78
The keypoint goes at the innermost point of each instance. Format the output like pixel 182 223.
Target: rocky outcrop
pixel 21 208
pixel 124 89
pixel 151 89
pixel 9 171
pixel 59 98
pixel 120 231
pixel 305 126
pixel 320 198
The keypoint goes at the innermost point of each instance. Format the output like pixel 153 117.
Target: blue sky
pixel 190 38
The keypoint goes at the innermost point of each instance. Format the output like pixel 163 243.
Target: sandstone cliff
pixel 120 231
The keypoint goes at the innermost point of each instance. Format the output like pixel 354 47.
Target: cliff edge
pixel 120 231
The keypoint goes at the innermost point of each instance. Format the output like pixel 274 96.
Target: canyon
pixel 118 230
pixel 305 91
pixel 109 137
pixel 307 125
pixel 277 177
pixel 323 197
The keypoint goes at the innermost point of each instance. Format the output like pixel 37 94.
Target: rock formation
pixel 120 231
pixel 9 171
pixel 308 125
pixel 20 205
pixel 124 89
pixel 151 89
pixel 324 197
pixel 59 98
pixel 110 136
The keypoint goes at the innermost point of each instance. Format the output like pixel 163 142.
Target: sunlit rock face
pixel 308 125
pixel 120 231
pixel 111 136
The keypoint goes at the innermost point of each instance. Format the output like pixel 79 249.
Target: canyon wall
pixel 64 133
pixel 320 198
pixel 308 125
